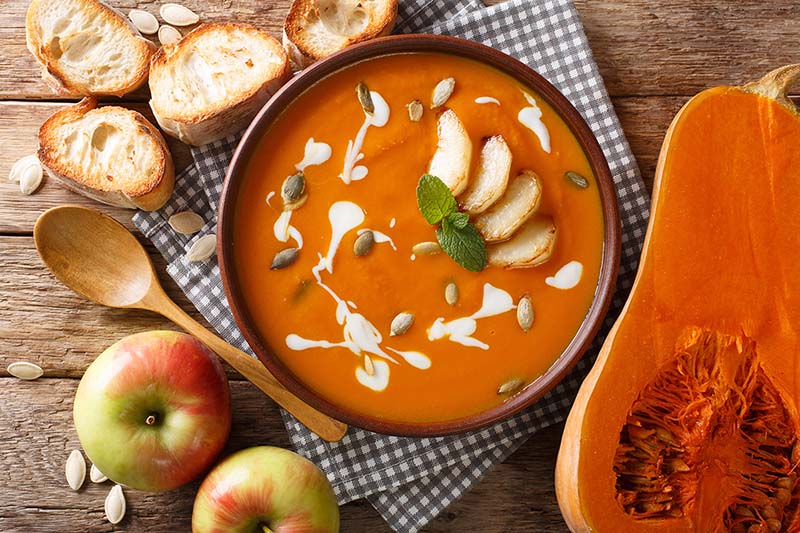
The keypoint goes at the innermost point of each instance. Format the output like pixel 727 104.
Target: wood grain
pixel 671 47
pixel 37 434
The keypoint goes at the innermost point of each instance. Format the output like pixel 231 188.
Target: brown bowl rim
pixel 520 72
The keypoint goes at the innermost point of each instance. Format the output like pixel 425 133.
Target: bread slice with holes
pixel 213 81
pixel 317 28
pixel 86 48
pixel 111 154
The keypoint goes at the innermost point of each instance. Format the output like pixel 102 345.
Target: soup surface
pixel 327 315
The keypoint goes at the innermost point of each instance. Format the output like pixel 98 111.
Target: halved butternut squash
pixel 688 420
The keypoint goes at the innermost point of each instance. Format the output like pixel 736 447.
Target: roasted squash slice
pixel 688 420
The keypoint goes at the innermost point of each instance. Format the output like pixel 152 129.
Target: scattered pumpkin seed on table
pixel 96 476
pixel 114 505
pixel 25 370
pixel 75 470
pixel 178 15
pixel 202 248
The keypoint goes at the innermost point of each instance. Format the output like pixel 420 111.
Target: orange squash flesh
pixel 688 420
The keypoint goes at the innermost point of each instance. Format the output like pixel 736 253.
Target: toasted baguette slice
pixel 520 201
pixel 111 154
pixel 212 82
pixel 86 48
pixel 317 28
pixel 489 182
pixel 531 245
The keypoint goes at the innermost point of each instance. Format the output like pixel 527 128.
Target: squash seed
pixel 442 92
pixel 511 386
pixel 30 178
pixel 22 165
pixel 369 367
pixel 365 98
pixel 25 370
pixel 168 35
pixel 202 248
pixel 186 222
pixel 426 248
pixel 76 470
pixel 401 323
pixel 364 243
pixel 451 293
pixel 145 22
pixel 96 475
pixel 415 110
pixel 525 313
pixel 115 505
pixel 178 15
pixel 284 258
pixel 577 180
pixel 293 188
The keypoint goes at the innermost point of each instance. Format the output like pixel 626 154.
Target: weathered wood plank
pixel 673 47
pixel 644 119
pixel 37 434
pixel 44 322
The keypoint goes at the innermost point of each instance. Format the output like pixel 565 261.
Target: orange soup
pixel 327 313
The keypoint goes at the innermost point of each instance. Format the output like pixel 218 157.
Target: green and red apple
pixel 262 490
pixel 153 411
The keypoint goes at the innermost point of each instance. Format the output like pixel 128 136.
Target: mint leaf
pixel 464 245
pixel 434 199
pixel 459 220
pixel 447 224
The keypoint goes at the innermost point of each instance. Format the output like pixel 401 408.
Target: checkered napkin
pixel 410 481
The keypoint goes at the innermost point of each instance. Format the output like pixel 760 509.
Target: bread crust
pixel 49 55
pixel 228 113
pixel 148 191
pixel 304 51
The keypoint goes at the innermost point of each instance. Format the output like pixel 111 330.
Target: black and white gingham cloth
pixel 410 481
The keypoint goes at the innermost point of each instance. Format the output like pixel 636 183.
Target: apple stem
pixel 150 420
pixel 265 528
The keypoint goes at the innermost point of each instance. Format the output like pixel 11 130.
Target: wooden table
pixel 653 56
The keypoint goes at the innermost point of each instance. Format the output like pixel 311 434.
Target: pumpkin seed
pixel 774 525
pixel 168 35
pixel 186 222
pixel 785 483
pixel 442 92
pixel 145 22
pixel 415 110
pixel 364 243
pixel 451 293
pixel 365 98
pixel 115 505
pixel 22 166
pixel 178 15
pixel 25 370
pixel 292 206
pixel 511 386
pixel 30 178
pixel 202 248
pixel 426 248
pixel 76 470
pixel 96 475
pixel 293 188
pixel 369 367
pixel 577 179
pixel 401 323
pixel 769 512
pixel 525 313
pixel 284 258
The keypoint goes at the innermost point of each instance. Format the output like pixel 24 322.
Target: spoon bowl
pixel 95 256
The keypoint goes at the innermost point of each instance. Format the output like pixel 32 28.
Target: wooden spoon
pixel 95 256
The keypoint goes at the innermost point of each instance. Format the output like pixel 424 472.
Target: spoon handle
pixel 252 369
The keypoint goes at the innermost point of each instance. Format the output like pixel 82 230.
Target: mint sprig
pixel 457 236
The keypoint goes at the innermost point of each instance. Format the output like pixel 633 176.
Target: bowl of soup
pixel 419 236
